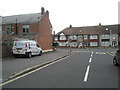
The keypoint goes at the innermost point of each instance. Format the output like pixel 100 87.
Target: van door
pixel 33 48
pixel 38 48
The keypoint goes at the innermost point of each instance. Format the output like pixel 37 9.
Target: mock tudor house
pixel 89 36
pixel 35 26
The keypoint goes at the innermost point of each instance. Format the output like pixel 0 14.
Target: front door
pixel 114 44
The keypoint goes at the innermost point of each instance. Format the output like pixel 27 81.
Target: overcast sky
pixel 65 12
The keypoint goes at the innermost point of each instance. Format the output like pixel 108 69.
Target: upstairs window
pixel 74 37
pixel 93 37
pixel 85 37
pixel 56 38
pixel 25 28
pixel 62 36
pixel 8 28
pixel 105 36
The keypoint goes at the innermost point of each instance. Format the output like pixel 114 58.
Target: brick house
pixel 89 36
pixel 36 26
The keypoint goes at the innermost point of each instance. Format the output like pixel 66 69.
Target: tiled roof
pixel 24 18
pixel 90 30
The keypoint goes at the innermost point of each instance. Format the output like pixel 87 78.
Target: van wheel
pixel 40 53
pixel 15 55
pixel 115 62
pixel 29 55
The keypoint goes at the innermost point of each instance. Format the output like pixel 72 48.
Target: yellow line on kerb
pixel 110 54
pixel 33 71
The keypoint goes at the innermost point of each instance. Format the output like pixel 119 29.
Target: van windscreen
pixel 19 44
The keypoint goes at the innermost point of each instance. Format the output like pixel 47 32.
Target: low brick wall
pixel 6 51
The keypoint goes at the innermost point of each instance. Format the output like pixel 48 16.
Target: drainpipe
pixel 16 27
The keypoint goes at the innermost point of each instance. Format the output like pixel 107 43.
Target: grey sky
pixel 66 12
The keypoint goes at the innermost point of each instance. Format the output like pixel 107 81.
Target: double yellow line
pixel 111 54
pixel 35 68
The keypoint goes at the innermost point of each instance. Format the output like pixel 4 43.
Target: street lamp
pixel 110 35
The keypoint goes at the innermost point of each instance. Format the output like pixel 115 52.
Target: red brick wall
pixel 45 32
pixel 34 27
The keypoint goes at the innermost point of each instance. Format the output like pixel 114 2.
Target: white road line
pixel 91 54
pixel 90 60
pixel 86 74
pixel 100 53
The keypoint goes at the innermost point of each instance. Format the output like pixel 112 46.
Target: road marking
pixel 34 71
pixel 90 60
pixel 99 52
pixel 111 54
pixel 91 54
pixel 86 74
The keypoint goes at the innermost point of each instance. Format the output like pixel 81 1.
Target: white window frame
pixel 62 36
pixel 62 43
pixel 85 36
pixel 8 28
pixel 73 44
pixel 105 43
pixel 93 43
pixel 73 37
pixel 56 38
pixel 93 36
pixel 105 36
pixel 26 28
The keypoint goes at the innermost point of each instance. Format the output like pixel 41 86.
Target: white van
pixel 27 47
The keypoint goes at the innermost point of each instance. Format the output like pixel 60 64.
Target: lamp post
pixel 110 35
pixel 78 38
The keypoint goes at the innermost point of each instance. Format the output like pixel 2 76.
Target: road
pixel 84 69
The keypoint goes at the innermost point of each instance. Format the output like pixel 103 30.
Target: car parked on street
pixel 26 47
pixel 116 59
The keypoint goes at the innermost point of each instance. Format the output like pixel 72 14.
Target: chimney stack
pixel 70 26
pixel 42 10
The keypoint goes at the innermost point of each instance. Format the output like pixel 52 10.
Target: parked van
pixel 27 48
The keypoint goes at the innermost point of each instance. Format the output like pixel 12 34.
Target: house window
pixel 56 38
pixel 105 43
pixel 8 28
pixel 93 37
pixel 25 28
pixel 74 37
pixel 105 36
pixel 80 38
pixel 62 36
pixel 113 36
pixel 85 37
pixel 73 44
pixel 93 43
pixel 62 43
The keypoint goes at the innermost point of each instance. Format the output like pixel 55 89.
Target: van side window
pixel 32 44
pixel 37 45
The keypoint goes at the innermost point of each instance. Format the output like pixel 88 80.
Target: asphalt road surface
pixel 89 69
